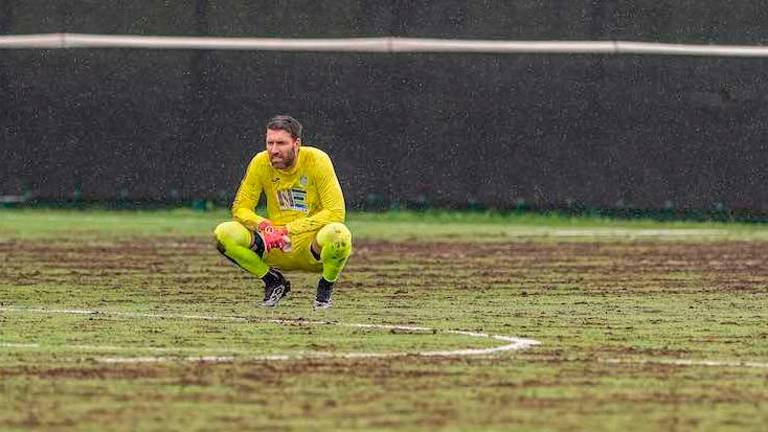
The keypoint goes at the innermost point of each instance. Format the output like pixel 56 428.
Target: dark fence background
pixel 458 130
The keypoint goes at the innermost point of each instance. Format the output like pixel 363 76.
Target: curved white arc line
pixel 516 343
pixel 387 327
pixel 256 319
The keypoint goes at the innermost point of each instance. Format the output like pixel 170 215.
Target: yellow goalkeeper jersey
pixel 304 198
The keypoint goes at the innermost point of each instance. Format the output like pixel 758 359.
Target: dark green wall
pixel 450 129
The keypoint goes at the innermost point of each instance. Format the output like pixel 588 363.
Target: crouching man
pixel 304 228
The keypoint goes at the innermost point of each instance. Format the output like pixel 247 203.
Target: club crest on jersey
pixel 304 181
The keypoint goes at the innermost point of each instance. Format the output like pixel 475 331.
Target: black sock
pixel 258 245
pixel 324 283
pixel 271 277
pixel 315 254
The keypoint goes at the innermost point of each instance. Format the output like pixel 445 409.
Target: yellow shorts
pixel 299 258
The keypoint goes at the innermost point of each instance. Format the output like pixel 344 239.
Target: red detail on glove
pixel 265 225
pixel 274 237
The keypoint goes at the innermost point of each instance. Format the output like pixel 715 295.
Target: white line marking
pixel 316 355
pixel 511 343
pixel 123 314
pixel 19 345
pixel 640 232
pixel 121 348
pixel 206 359
pixel 514 343
pixel 684 362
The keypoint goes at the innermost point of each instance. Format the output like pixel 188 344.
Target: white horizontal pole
pixel 53 40
pixel 502 47
pixel 376 45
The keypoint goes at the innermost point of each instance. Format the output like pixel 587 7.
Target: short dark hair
pixel 286 123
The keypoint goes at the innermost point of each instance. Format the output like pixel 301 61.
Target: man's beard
pixel 285 162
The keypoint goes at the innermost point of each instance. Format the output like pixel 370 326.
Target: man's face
pixel 282 148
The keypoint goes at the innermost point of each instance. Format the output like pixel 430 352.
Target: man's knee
pixel 232 232
pixel 337 237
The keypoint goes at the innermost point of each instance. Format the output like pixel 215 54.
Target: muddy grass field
pixel 128 322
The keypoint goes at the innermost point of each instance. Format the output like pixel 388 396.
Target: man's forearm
pixel 247 217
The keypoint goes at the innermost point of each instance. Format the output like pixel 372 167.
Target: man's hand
pixel 274 237
pixel 265 225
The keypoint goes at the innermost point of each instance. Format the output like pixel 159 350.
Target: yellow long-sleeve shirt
pixel 304 198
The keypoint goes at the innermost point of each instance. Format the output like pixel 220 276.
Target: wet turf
pixel 590 301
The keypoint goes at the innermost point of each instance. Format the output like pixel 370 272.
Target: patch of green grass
pixel 393 226
pixel 589 302
pixel 88 337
